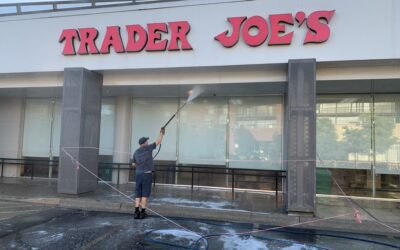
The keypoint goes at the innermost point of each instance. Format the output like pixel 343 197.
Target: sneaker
pixel 136 215
pixel 143 214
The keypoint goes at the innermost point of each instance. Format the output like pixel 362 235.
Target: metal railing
pixel 29 163
pixel 53 6
pixel 276 175
pixel 192 170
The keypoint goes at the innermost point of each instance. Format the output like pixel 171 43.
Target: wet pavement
pixel 57 228
pixel 11 209
pixel 201 205
pixel 25 188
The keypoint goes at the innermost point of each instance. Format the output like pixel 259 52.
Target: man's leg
pixel 147 181
pixel 136 215
pixel 139 191
pixel 144 202
pixel 137 201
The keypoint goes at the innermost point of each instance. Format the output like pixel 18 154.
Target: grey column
pixel 122 139
pixel 80 130
pixel 301 136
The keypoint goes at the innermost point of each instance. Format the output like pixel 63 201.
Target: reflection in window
pixel 202 132
pixel 255 132
pixel 387 145
pixel 359 145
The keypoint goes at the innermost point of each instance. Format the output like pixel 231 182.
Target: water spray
pixel 193 94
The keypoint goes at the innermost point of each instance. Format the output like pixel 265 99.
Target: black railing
pixel 29 163
pixel 277 175
pixel 52 6
pixel 192 170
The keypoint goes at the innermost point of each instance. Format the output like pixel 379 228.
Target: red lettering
pixel 253 30
pixel 88 38
pixel 137 38
pixel 261 25
pixel 69 36
pixel 278 28
pixel 224 39
pixel 155 43
pixel 179 31
pixel 112 38
pixel 300 17
pixel 318 32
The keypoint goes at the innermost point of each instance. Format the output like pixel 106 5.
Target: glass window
pixel 37 127
pixel 344 144
pixel 56 134
pixel 149 115
pixel 202 131
pixel 10 119
pixel 107 126
pixel 42 127
pixel 255 132
pixel 387 145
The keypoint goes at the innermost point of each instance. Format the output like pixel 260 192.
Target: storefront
pixel 310 87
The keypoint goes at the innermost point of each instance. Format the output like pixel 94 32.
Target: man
pixel 143 161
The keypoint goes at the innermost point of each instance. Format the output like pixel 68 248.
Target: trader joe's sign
pixel 254 31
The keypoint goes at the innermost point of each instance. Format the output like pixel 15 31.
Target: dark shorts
pixel 143 184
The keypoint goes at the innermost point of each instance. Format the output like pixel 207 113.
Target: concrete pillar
pixel 301 136
pixel 80 130
pixel 122 138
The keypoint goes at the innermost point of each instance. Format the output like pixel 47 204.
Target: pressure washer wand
pixel 172 117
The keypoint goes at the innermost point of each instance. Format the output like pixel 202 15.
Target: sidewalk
pixel 213 204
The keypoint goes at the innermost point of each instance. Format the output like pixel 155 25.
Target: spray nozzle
pixel 194 93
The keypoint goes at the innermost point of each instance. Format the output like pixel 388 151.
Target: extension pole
pixel 172 117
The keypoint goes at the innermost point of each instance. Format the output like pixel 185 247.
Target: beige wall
pixel 225 75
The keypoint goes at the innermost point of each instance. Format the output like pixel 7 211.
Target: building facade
pixel 310 87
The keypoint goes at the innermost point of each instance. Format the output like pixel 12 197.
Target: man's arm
pixel 133 161
pixel 160 137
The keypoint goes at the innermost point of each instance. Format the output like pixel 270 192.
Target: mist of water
pixel 194 93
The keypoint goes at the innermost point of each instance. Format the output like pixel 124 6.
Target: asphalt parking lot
pixel 26 226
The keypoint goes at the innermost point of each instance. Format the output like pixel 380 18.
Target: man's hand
pixel 160 137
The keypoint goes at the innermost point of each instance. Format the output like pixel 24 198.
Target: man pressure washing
pixel 143 161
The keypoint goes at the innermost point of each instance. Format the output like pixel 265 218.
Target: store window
pixel 202 132
pixel 107 128
pixel 148 116
pixel 255 132
pixel 39 127
pixel 41 139
pixel 387 145
pixel 358 145
pixel 42 131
